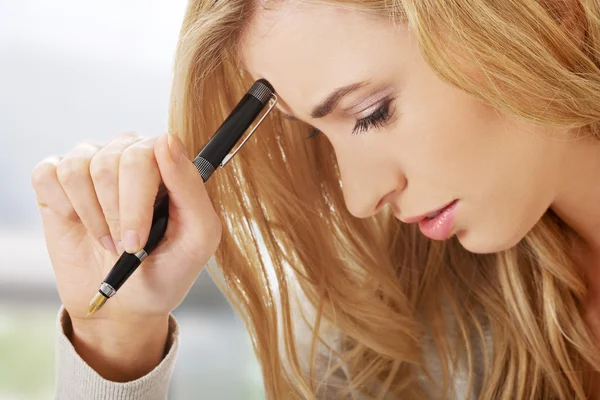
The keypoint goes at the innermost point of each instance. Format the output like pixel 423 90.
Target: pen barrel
pixel 232 129
pixel 128 263
pixel 160 220
pixel 122 270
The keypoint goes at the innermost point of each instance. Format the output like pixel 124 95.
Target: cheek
pixel 447 137
pixel 501 170
pixel 458 143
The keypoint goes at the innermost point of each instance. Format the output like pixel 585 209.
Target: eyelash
pixel 377 119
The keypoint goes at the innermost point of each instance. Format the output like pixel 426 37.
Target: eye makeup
pixel 364 105
pixel 373 111
pixel 376 116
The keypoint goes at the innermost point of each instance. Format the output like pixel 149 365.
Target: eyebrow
pixel 330 103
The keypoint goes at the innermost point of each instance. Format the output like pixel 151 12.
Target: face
pixel 401 136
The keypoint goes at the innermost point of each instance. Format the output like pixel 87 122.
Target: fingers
pixel 73 173
pixel 111 191
pixel 51 197
pixel 139 180
pixel 58 215
pixel 187 193
pixel 104 170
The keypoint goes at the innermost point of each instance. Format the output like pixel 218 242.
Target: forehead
pixel 306 50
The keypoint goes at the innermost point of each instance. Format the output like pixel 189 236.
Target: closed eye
pixel 378 118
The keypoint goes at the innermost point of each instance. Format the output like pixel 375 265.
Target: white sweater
pixel 77 381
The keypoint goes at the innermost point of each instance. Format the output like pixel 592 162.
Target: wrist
pixel 121 351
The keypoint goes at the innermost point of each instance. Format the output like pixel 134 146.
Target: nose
pixel 368 182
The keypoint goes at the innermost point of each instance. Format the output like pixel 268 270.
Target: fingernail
pixel 119 246
pixel 131 241
pixel 175 149
pixel 108 243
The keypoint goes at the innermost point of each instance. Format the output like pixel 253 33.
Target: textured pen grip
pixel 205 168
pixel 262 90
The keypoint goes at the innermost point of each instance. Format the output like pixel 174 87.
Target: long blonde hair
pixel 380 284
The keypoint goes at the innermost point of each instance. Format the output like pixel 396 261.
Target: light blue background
pixel 72 70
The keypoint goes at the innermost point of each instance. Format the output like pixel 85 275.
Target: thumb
pixel 187 194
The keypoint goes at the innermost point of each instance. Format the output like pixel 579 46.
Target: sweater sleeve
pixel 76 380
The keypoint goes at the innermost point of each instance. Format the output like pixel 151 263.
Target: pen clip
pixel 228 157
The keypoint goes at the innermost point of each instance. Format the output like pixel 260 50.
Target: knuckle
pixel 213 230
pixel 87 146
pixel 217 227
pixel 125 138
pixel 128 138
pixel 71 170
pixel 114 225
pixel 137 155
pixel 129 135
pixel 84 150
pixel 43 174
pixel 115 234
pixel 217 236
pixel 147 143
pixel 111 215
pixel 132 222
pixel 104 168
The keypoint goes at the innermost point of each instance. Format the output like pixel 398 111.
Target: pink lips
pixel 439 227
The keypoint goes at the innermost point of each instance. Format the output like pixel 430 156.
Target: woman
pixel 435 237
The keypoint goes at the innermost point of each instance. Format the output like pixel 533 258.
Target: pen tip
pixel 96 304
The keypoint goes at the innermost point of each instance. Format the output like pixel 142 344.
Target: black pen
pixel 214 154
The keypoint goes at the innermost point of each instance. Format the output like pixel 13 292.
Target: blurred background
pixel 73 70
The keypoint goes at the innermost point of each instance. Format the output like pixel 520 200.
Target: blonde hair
pixel 381 284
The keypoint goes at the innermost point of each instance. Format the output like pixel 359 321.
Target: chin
pixel 480 243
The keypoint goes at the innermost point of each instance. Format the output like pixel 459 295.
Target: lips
pixel 429 215
pixel 441 226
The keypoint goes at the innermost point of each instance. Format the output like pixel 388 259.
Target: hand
pixel 98 199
